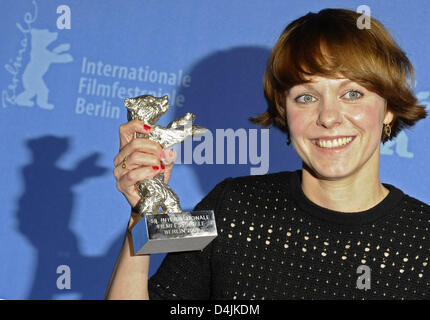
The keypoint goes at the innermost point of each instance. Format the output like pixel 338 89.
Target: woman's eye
pixel 305 98
pixel 354 94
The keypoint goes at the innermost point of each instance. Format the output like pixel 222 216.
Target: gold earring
pixel 387 129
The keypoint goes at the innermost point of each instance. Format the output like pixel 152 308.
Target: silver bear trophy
pixel 156 196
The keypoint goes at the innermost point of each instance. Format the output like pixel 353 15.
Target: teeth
pixel 334 143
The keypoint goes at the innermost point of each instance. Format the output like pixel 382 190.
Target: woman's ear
pixel 389 117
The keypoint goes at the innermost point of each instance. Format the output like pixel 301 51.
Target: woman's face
pixel 336 125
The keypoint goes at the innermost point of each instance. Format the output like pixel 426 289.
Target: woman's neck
pixel 357 192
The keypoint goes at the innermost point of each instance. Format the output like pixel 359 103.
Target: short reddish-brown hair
pixel 329 44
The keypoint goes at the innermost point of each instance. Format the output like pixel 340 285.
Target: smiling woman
pixel 338 138
pixel 338 92
pixel 329 44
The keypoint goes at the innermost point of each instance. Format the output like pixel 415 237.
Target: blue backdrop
pixel 67 67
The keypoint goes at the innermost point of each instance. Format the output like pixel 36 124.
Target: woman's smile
pixel 334 144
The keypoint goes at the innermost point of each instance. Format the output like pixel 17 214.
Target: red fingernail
pixel 146 127
pixel 162 166
pixel 155 167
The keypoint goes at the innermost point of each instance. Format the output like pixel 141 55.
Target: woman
pixel 337 91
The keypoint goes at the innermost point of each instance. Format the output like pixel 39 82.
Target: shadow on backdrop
pixel 44 214
pixel 227 89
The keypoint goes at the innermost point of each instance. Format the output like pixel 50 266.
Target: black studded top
pixel 274 243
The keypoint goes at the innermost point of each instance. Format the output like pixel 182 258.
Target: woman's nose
pixel 329 115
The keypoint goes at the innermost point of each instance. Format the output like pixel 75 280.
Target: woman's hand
pixel 139 159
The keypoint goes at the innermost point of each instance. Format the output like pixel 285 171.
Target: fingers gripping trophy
pixel 164 227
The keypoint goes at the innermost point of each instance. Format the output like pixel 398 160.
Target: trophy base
pixel 173 232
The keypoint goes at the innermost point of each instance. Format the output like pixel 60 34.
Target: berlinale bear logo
pixel 40 60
